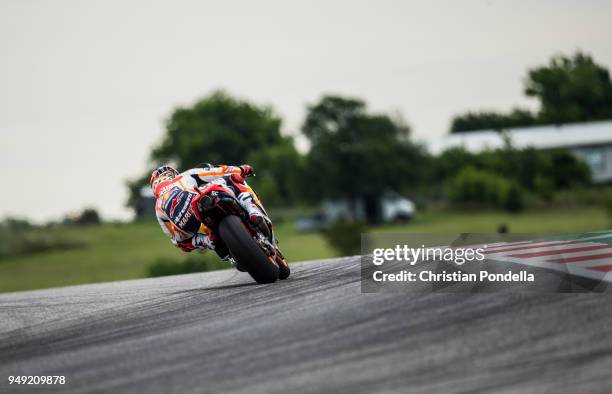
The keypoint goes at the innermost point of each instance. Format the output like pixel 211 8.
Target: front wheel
pixel 283 267
pixel 246 252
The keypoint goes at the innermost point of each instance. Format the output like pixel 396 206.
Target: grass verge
pixel 125 251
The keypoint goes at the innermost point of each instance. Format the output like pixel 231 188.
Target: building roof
pixel 543 137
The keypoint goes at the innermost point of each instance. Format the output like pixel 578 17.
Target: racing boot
pixel 223 252
pixel 256 214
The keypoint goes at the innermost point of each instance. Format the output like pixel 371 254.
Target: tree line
pixel 352 151
pixel 357 153
pixel 569 89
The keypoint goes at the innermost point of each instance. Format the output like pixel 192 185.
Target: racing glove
pixel 246 170
pixel 198 241
pixel 203 242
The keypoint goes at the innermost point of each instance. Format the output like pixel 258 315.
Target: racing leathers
pixel 174 197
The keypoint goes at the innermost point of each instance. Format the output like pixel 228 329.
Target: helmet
pixel 161 174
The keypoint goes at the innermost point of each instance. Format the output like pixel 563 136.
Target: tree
pixel 571 89
pixel 134 186
pixel 473 121
pixel 357 154
pixel 279 169
pixel 221 129
pixel 567 171
pixel 15 225
pixel 218 129
pixel 484 188
pixel 89 216
pixel 450 162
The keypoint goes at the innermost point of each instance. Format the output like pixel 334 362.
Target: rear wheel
pixel 246 252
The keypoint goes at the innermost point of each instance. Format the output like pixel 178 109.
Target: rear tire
pixel 246 252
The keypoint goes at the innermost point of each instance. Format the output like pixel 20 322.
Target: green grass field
pixel 561 220
pixel 123 251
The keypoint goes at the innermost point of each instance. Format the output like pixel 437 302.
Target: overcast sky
pixel 86 85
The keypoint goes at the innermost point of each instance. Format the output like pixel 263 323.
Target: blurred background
pixel 411 116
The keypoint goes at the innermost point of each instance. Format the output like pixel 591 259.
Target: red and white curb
pixel 585 257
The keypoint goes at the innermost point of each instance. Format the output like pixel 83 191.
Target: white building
pixel 592 142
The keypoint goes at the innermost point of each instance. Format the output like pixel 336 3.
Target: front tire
pixel 284 271
pixel 283 266
pixel 246 252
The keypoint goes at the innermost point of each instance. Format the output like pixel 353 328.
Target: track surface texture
pixel 315 332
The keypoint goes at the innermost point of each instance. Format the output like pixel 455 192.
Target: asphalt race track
pixel 316 332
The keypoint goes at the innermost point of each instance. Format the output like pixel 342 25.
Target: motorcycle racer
pixel 175 191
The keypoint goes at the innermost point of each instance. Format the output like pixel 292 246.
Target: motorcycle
pixel 252 248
